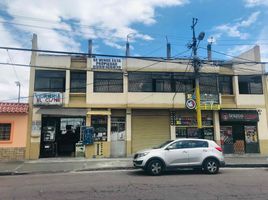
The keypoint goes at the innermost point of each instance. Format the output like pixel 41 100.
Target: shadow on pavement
pixel 179 172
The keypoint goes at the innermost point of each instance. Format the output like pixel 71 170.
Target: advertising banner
pixel 47 98
pixel 107 63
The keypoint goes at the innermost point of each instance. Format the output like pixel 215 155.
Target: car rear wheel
pixel 155 167
pixel 211 166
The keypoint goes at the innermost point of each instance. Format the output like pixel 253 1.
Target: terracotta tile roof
pixel 14 107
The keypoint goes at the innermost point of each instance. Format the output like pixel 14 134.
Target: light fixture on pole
pixel 18 84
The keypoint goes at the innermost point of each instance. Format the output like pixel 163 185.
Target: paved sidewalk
pixel 56 165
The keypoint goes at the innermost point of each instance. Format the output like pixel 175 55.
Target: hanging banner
pixel 107 63
pixel 47 98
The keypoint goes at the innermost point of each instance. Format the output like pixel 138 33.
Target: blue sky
pixel 235 25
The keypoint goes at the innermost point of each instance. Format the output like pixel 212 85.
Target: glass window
pixel 78 82
pixel 179 145
pixel 250 85
pixel 225 84
pixel 183 82
pixel 140 82
pixel 49 81
pixel 160 82
pixel 108 82
pixel 208 84
pixel 197 144
pixel 5 132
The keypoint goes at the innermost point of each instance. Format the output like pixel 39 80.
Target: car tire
pixel 155 167
pixel 211 166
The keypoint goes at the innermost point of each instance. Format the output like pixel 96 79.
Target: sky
pixel 234 26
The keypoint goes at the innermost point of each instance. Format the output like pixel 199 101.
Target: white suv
pixel 181 153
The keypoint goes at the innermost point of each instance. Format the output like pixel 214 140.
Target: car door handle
pixel 184 151
pixel 205 150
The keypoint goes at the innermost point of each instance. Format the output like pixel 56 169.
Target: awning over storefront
pixel 62 111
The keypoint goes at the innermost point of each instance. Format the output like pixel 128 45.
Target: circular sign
pixel 190 104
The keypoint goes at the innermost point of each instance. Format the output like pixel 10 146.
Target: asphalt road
pixel 135 184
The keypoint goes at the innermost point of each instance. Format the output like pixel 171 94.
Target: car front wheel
pixel 211 166
pixel 155 167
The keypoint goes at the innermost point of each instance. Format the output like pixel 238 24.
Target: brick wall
pixel 12 153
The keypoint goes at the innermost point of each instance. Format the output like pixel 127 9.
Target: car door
pixel 197 151
pixel 176 154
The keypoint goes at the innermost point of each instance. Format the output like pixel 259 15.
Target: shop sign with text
pixel 107 63
pixel 48 98
pixel 239 115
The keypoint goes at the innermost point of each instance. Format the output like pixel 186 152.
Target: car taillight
pixel 219 149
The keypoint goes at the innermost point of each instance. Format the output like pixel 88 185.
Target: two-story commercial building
pixel 136 103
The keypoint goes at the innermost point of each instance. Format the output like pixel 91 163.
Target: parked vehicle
pixel 181 153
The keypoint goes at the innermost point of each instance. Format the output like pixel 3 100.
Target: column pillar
pixel 216 122
pixel 128 131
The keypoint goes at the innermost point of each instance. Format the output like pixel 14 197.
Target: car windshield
pixel 163 144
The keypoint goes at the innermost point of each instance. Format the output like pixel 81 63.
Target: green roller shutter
pixel 149 128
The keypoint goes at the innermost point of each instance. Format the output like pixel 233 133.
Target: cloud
pixel 253 3
pixel 62 25
pixel 233 30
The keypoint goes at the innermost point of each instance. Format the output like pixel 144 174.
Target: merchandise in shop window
pixel 251 134
pixel 226 135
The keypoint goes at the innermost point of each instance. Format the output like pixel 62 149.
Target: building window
pixel 49 81
pixel 108 82
pixel 208 84
pixel 250 85
pixel 5 132
pixel 225 84
pixel 140 82
pixel 78 82
pixel 159 82
pixel 183 82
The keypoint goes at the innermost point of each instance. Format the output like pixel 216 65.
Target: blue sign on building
pixel 87 135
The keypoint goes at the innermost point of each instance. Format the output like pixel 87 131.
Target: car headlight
pixel 142 154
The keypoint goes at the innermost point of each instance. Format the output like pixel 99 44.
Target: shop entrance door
pixel 118 137
pixel 239 139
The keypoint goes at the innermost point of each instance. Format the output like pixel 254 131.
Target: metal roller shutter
pixel 149 128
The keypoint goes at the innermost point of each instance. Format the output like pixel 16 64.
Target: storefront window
pixel 49 81
pixel 238 130
pixel 108 82
pixel 78 82
pixel 99 123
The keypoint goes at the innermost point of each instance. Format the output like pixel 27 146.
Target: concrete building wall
pixel 14 149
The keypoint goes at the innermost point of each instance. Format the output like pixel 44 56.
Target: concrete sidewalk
pixel 57 165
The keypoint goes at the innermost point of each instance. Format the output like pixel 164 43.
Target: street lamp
pixel 18 84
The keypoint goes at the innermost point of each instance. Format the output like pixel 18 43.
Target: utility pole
pixel 196 64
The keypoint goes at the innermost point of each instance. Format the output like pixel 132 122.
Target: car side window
pixel 198 144
pixel 179 145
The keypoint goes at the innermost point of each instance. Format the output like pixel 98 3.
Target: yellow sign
pixel 210 107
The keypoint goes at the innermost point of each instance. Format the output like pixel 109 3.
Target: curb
pixel 16 173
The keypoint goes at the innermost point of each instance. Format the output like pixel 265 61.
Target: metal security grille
pixel 149 128
pixel 5 131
